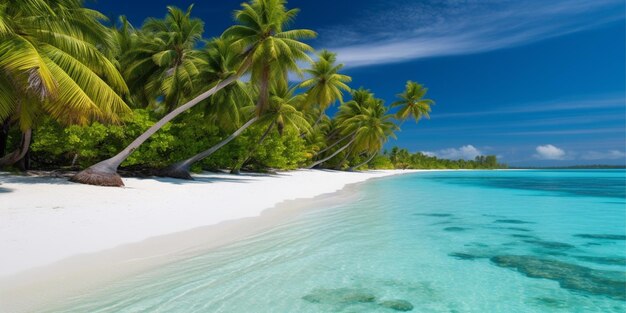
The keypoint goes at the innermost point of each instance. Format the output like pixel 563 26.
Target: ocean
pixel 458 241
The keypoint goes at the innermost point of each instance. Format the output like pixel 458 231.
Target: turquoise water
pixel 485 241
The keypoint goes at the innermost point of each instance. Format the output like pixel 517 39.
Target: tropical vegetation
pixel 80 92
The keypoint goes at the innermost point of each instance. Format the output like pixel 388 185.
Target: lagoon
pixel 461 241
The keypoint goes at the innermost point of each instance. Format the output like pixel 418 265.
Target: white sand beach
pixel 59 238
pixel 44 220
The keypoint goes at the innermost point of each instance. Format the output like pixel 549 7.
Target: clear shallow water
pixel 492 241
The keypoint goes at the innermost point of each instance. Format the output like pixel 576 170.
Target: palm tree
pixel 412 102
pixel 326 85
pixel 376 128
pixel 53 61
pixel 282 113
pixel 224 107
pixel 162 63
pixel 347 122
pixel 273 50
pixel 263 44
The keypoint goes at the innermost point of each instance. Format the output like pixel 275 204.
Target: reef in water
pixel 569 276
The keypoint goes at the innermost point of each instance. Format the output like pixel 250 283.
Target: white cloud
pixel 435 28
pixel 598 101
pixel 608 155
pixel 467 152
pixel 549 152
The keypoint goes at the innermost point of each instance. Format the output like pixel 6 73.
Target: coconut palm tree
pixel 412 103
pixel 163 63
pixel 326 85
pixel 347 122
pixel 360 99
pixel 282 113
pixel 224 107
pixel 53 61
pixel 376 128
pixel 274 50
pixel 263 43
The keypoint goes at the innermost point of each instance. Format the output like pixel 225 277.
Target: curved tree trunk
pixel 104 173
pixel 335 143
pixel 19 153
pixel 239 165
pixel 181 169
pixel 319 119
pixel 345 158
pixel 352 168
pixel 334 153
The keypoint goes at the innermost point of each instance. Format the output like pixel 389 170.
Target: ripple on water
pixel 455 229
pixel 601 236
pixel 550 244
pixel 602 260
pixel 510 221
pixel 433 214
pixel 344 297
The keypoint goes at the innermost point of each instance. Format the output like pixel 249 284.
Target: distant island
pixel 586 167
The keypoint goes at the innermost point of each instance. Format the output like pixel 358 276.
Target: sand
pixel 44 220
pixel 59 239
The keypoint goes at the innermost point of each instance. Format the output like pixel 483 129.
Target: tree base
pixel 175 172
pixel 93 177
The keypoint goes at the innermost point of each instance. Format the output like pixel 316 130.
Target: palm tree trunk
pixel 335 143
pixel 352 168
pixel 319 119
pixel 239 165
pixel 19 153
pixel 263 89
pixel 104 173
pixel 181 169
pixel 4 136
pixel 338 166
pixel 334 153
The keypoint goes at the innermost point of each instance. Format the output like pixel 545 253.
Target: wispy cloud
pixel 408 31
pixel 616 130
pixel 611 101
pixel 467 152
pixel 603 155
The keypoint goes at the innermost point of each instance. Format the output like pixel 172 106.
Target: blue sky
pixel 534 82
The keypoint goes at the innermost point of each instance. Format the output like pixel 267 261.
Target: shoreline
pixel 78 268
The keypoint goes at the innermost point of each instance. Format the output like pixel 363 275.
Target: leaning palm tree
pixel 348 122
pixel 412 102
pixel 262 42
pixel 282 113
pixel 53 61
pixel 326 85
pixel 276 51
pixel 376 128
pixel 273 52
pixel 223 109
pixel 360 100
pixel 163 62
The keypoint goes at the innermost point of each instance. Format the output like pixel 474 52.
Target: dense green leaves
pixel 59 65
pixel 53 61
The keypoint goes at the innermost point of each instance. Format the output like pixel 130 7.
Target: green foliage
pixel 57 146
pixel 83 145
pixel 402 159
pixel 53 61
pixel 72 59
pixel 381 162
